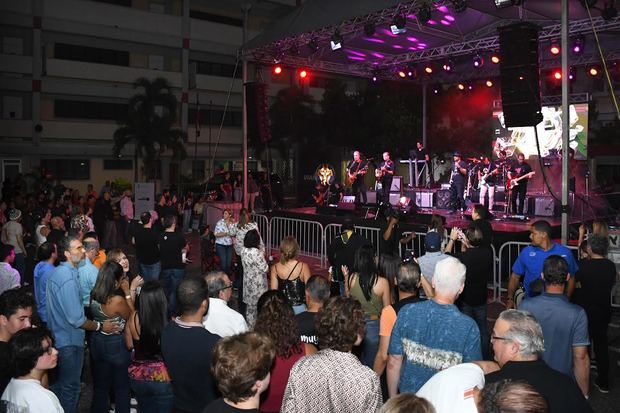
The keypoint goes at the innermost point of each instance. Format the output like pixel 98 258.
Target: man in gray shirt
pixel 433 255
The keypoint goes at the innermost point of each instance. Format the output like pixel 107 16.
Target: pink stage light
pixel 356 53
pixel 443 9
pixel 357 58
pixel 378 55
pixel 449 18
pixel 374 40
pixel 432 22
pixel 412 39
pixel 445 22
pixel 388 32
pixel 397 46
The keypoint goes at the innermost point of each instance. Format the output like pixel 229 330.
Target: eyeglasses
pixel 49 350
pixel 226 288
pixel 493 338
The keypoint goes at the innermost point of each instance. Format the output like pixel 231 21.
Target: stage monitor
pixel 523 140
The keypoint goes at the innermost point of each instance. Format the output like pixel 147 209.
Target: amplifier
pixel 442 199
pixel 397 184
pixel 424 199
pixel 543 206
pixel 371 197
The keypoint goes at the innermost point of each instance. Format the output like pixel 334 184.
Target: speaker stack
pixel 258 112
pixel 519 74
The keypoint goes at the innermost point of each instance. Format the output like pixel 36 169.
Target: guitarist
pixel 458 179
pixel 356 170
pixel 520 189
pixel 488 173
pixel 386 169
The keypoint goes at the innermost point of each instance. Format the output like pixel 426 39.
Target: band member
pixel 319 193
pixel 385 173
pixel 422 155
pixel 519 189
pixel 356 170
pixel 488 175
pixel 458 178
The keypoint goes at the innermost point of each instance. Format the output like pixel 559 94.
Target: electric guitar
pixel 514 182
pixel 482 181
pixel 352 176
pixel 320 198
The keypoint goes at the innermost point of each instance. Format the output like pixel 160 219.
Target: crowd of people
pixel 380 333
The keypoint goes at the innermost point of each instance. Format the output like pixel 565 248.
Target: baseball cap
pixel 457 153
pixel 432 242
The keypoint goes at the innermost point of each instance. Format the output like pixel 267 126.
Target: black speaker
pixel 519 74
pixel 442 199
pixel 258 112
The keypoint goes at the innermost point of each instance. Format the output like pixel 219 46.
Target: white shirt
pixel 12 230
pixel 9 277
pixel 451 390
pixel 126 207
pixel 28 394
pixel 223 320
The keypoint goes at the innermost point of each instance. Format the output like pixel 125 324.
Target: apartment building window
pixel 198 170
pixel 77 109
pixel 231 119
pixel 71 169
pixel 91 54
pixel 217 69
pixel 118 164
pixel 215 18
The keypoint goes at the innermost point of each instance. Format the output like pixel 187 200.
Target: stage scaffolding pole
pixel 246 10
pixel 565 123
pixel 424 124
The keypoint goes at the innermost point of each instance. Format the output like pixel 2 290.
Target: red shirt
pixel 272 399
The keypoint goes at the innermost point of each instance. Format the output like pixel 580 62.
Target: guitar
pixel 482 181
pixel 352 176
pixel 320 198
pixel 514 182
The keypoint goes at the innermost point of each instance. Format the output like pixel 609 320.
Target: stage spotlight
pixel 428 68
pixel 374 78
pixel 277 70
pixel 557 74
pixel 578 45
pixel 313 45
pixel 593 70
pixel 336 40
pixel 555 47
pixel 478 61
pixel 470 87
pixel 448 66
pixel 459 6
pixel 495 58
pixel 489 83
pixel 398 24
pixel 609 11
pixel 303 74
pixel 424 13
pixel 572 73
pixel 402 74
pixel 460 86
pixel 369 29
pixel 500 4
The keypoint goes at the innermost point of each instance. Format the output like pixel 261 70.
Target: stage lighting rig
pixel 459 6
pixel 398 24
pixel 594 70
pixel 495 59
pixel 424 13
pixel 428 68
pixel 369 29
pixel 489 83
pixel 313 45
pixel 336 40
pixel 500 4
pixel 478 61
pixel 277 70
pixel 448 66
pixel 578 45
pixel 303 74
pixel 555 47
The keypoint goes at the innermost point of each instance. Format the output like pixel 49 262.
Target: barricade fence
pixel 309 235
pixel 262 221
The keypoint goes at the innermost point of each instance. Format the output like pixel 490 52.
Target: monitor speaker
pixel 442 199
pixel 519 74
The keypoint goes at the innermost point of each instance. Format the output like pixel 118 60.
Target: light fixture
pixel 277 70
pixel 555 47
pixel 572 73
pixel 478 61
pixel 578 45
pixel 470 87
pixel 303 74
pixel 428 68
pixel 489 83
pixel 424 13
pixel 460 86
pixel 313 45
pixel 500 4
pixel 459 6
pixel 609 10
pixel 557 74
pixel 593 70
pixel 398 24
pixel 448 66
pixel 336 40
pixel 495 58
pixel 402 74
pixel 369 29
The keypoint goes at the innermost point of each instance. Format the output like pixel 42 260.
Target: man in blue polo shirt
pixel 529 263
pixel 564 325
pixel 66 320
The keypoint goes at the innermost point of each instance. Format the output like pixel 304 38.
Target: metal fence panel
pixel 309 235
pixel 263 228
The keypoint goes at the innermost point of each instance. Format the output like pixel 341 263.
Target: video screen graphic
pixel 523 140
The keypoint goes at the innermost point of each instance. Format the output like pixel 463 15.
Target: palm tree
pixel 148 124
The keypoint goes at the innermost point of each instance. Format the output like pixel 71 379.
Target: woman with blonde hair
pixel 290 275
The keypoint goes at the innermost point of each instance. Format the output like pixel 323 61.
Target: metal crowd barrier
pixel 333 230
pixel 416 245
pixel 263 228
pixel 309 235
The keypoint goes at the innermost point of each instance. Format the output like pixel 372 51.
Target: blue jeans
pixel 19 263
pixel 187 218
pixel 150 272
pixel 110 362
pixel 479 314
pixel 170 279
pixel 66 385
pixel 370 345
pixel 224 252
pixel 153 396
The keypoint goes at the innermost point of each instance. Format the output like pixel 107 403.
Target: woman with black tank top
pixel 290 275
pixel 148 375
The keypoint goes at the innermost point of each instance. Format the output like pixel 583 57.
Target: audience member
pixel 42 229
pixel 13 234
pixel 32 356
pixel 276 320
pixel 9 276
pixel 428 261
pixel 529 263
pixel 254 274
pixel 595 280
pixel 341 250
pixel 511 397
pixel 147 249
pixel 58 231
pixel 564 325
pixel 599 227
pixel 47 254
pixel 290 275
pixel 112 300
pixel 334 380
pixel 454 389
pixel 171 246
pixel 87 271
pixel 480 216
pixel 221 319
pixel 187 348
pixel 388 267
pixel 241 366
pixel 408 281
pixel 407 403
pixel 16 307
pixel 392 233
pixel 517 340
pixel 244 225
pixel 317 293
pixel 438 225
pixel 432 335
pixel 148 374
pixel 224 231
pixel 373 292
pixel 66 320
